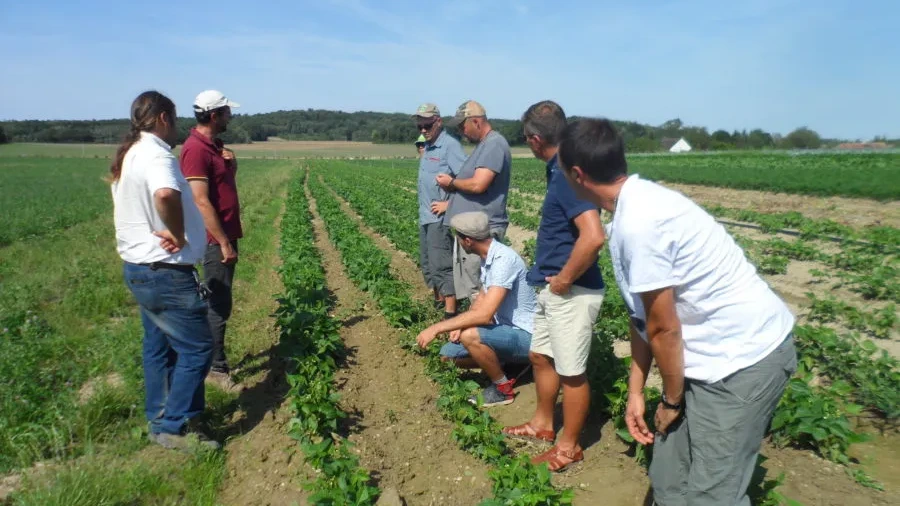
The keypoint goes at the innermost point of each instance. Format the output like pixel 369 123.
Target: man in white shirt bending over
pixel 720 336
pixel 160 237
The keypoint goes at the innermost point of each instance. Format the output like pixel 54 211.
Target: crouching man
pixel 496 330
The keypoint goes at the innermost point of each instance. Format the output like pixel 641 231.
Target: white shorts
pixel 564 326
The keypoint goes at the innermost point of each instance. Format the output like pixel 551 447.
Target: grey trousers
pixel 436 257
pixel 467 267
pixel 709 456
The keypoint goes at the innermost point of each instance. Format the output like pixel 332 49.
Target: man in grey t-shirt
pixel 481 185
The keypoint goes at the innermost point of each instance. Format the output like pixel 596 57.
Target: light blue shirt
pixel 444 156
pixel 505 268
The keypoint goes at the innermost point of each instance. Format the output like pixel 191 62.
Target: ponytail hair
pixel 145 111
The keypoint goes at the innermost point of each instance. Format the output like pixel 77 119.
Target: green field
pixel 67 320
pixel 860 175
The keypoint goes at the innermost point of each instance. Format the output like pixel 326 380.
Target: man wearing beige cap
pixel 210 169
pixel 442 155
pixel 497 329
pixel 481 185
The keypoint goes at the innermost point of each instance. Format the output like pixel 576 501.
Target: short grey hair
pixel 545 119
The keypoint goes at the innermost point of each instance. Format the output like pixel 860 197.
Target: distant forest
pixel 379 127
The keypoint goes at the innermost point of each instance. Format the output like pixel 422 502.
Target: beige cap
pixel 427 111
pixel 473 224
pixel 468 109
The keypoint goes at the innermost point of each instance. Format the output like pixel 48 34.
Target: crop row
pixel 515 480
pixel 607 373
pixel 314 344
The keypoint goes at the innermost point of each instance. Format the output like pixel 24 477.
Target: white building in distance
pixel 681 146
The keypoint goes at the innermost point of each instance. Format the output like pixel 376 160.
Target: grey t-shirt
pixel 491 153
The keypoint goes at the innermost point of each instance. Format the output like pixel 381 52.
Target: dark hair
pixel 596 147
pixel 546 119
pixel 205 117
pixel 145 111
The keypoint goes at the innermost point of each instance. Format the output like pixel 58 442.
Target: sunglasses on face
pixel 427 125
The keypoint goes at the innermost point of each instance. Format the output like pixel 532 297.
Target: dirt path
pixel 853 212
pixel 263 465
pixel 605 464
pixel 402 266
pixel 398 432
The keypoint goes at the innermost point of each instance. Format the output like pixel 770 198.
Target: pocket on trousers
pixel 146 293
pixel 755 382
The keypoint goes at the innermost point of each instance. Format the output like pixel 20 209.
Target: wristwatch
pixel 450 185
pixel 669 405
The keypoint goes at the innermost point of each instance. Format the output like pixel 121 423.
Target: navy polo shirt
pixel 557 232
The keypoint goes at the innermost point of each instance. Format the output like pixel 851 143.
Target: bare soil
pixel 264 466
pixel 610 476
pixel 399 434
pixel 848 211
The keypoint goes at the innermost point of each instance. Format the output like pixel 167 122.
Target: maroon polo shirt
pixel 201 159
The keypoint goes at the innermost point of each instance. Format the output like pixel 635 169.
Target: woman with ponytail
pixel 161 237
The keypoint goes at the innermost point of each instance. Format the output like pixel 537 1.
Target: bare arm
pixel 641 359
pixel 200 189
pixel 168 204
pixel 478 183
pixel 664 334
pixel 481 313
pixel 591 238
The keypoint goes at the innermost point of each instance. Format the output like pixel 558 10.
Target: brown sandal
pixel 554 457
pixel 526 431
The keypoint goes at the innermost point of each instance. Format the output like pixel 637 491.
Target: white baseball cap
pixel 212 99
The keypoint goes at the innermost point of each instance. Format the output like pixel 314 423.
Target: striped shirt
pixel 505 268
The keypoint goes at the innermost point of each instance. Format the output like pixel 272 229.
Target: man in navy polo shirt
pixel 442 155
pixel 571 292
pixel 211 169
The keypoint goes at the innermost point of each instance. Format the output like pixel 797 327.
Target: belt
pixel 162 265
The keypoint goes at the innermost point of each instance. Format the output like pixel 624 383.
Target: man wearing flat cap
pixel 442 154
pixel 496 330
pixel 211 170
pixel 482 184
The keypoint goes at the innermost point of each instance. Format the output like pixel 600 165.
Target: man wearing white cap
pixel 210 169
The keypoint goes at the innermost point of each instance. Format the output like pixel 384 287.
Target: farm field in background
pixel 348 277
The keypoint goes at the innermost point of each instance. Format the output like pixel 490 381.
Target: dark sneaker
pixel 496 395
pixel 187 442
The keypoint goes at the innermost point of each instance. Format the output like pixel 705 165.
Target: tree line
pixel 379 127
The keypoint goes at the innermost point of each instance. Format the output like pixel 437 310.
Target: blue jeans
pixel 177 344
pixel 511 344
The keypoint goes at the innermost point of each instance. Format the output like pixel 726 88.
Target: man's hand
pixel 443 180
pixel 665 417
pixel 229 255
pixel 558 285
pixel 634 419
pixel 169 242
pixel 425 337
pixel 227 154
pixel 454 335
pixel 439 207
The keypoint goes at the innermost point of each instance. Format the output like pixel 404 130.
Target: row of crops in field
pixel 842 375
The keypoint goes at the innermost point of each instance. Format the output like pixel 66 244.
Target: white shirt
pixel 730 318
pixel 149 165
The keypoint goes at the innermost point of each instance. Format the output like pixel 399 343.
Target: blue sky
pixel 831 65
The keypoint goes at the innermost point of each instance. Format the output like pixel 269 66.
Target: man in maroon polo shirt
pixel 210 169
